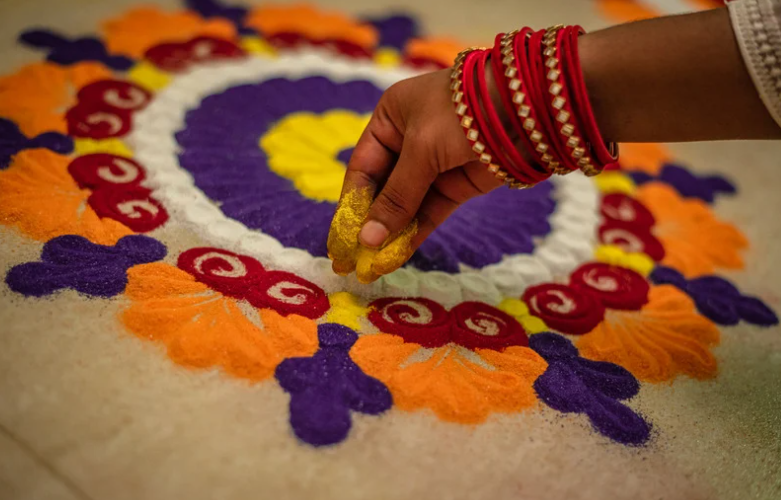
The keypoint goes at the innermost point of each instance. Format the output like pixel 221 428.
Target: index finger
pixel 370 165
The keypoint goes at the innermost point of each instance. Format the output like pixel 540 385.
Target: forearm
pixel 673 79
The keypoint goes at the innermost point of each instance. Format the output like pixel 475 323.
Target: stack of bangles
pixel 543 93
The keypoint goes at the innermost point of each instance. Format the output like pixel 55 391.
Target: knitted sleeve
pixel 757 25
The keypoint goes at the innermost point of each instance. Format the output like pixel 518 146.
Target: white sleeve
pixel 757 25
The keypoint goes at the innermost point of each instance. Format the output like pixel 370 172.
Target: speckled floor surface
pixel 89 412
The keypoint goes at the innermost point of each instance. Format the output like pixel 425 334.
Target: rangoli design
pixel 234 125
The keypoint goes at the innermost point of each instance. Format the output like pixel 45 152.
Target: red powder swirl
pixel 102 169
pixel 287 294
pixel 564 308
pixel 615 287
pixel 132 206
pixel 479 326
pixel 226 272
pixel 631 238
pixel 622 208
pixel 417 320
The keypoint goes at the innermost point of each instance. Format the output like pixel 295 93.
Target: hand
pixel 414 157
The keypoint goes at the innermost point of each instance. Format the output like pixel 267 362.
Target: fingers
pixel 447 193
pixel 451 190
pixel 372 159
pixel 400 198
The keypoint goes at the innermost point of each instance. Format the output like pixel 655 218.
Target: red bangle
pixel 491 145
pixel 605 156
pixel 524 99
pixel 560 101
pixel 505 74
pixel 459 86
pixel 513 162
pixel 544 43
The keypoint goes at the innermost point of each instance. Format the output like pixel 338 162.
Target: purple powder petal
pixel 396 30
pixel 662 275
pixel 326 387
pixel 213 8
pixel 756 312
pixel 713 285
pixel 610 379
pixel 717 298
pixel 688 184
pixel 68 52
pixel 12 141
pixel 220 148
pixel 319 418
pixel 572 384
pixel 74 262
pixel 721 310
pixel 619 422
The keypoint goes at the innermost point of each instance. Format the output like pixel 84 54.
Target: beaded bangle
pixel 605 155
pixel 514 162
pixel 502 76
pixel 541 44
pixel 467 119
pixel 516 62
pixel 541 85
pixel 560 101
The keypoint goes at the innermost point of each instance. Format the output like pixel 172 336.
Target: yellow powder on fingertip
pixel 364 269
pixel 397 252
pixel 350 214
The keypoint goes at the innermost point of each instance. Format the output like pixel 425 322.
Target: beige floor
pixel 89 412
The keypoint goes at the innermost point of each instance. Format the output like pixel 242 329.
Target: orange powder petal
pixel 140 29
pixel 625 10
pixel 441 50
pixel 313 24
pixel 39 198
pixel 649 158
pixel 37 96
pixel 83 74
pixel 695 241
pixel 32 97
pixel 455 388
pixel 665 339
pixel 202 328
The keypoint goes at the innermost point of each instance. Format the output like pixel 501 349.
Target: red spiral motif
pixel 104 109
pixel 479 326
pixel 133 207
pixel 114 95
pixel 564 308
pixel 226 272
pixel 625 209
pixel 92 122
pixel 105 170
pixel 631 238
pixel 615 287
pixel 417 320
pixel 177 57
pixel 288 294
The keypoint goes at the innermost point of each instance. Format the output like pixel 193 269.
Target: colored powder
pixel 74 262
pixel 350 214
pixel 572 384
pixel 665 339
pixel 326 387
pixel 346 310
pixel 397 252
pixel 454 387
pixel 363 269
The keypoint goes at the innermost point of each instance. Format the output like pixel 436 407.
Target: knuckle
pixel 392 203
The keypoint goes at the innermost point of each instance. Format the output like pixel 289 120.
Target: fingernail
pixel 373 234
